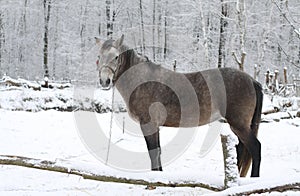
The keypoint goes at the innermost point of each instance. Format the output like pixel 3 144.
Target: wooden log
pixel 271 111
pixel 59 167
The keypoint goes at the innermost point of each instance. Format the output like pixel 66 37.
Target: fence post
pixel 174 65
pixel 255 72
pixel 267 79
pixel 285 75
pixel 229 142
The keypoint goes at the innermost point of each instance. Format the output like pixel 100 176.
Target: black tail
pixel 244 157
pixel 257 113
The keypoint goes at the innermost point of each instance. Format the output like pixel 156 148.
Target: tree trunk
pixel 159 25
pixel 47 8
pixel 165 31
pixel 142 29
pixel 205 35
pixel 240 7
pixel 109 19
pixel 153 28
pixel 56 43
pixel 1 39
pixel 21 46
pixel 223 25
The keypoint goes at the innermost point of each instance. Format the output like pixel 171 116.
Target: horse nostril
pixel 101 82
pixel 107 81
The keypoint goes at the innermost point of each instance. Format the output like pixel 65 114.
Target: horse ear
pixel 119 41
pixel 98 41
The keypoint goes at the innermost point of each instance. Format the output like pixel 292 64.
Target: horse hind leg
pixel 243 159
pixel 249 148
pixel 151 135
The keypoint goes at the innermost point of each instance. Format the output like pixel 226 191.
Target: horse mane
pixel 133 56
pixel 129 57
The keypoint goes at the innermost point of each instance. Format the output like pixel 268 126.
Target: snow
pixel 52 135
pixel 55 136
pixel 88 99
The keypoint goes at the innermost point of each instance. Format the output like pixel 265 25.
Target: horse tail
pixel 244 157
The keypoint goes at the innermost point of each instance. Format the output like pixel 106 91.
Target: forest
pixel 55 38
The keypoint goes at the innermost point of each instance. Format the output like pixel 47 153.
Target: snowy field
pixel 52 135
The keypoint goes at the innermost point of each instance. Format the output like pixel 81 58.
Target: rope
pixel 111 123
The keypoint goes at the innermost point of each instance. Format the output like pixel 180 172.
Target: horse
pixel 155 96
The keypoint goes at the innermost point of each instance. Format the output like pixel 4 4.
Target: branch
pixel 285 17
pixel 287 56
pixel 281 188
pixel 243 58
pixel 59 167
pixel 240 62
pixel 235 58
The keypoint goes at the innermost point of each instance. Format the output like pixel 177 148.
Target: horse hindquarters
pixel 249 147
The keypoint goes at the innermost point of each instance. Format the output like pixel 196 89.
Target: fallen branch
pixel 271 111
pixel 8 81
pixel 20 83
pixel 280 188
pixel 57 167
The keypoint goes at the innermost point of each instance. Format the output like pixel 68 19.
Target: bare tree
pixel 142 28
pixel 47 8
pixel 223 25
pixel 56 44
pixel 153 28
pixel 165 30
pixel 22 34
pixel 204 25
pixel 241 17
pixel 159 25
pixel 110 18
pixel 1 38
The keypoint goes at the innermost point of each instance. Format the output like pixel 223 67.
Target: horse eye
pixel 116 58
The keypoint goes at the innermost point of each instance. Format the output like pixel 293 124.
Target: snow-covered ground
pixel 53 135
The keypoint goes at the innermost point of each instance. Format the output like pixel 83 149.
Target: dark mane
pixel 128 58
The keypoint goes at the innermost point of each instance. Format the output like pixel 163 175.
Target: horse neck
pixel 128 59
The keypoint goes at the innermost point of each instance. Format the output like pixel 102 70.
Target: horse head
pixel 108 62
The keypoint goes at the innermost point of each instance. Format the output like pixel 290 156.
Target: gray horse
pixel 156 97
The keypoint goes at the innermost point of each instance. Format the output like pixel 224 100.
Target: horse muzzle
pixel 106 84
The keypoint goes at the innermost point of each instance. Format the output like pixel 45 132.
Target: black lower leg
pixel 155 159
pixel 151 135
pixel 256 158
pixel 239 151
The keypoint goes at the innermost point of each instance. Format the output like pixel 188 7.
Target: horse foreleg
pixel 151 135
